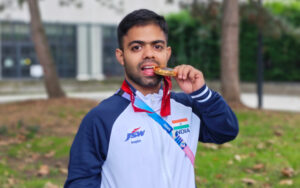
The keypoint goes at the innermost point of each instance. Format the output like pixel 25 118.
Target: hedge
pixel 196 41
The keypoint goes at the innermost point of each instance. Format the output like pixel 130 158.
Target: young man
pixel 145 135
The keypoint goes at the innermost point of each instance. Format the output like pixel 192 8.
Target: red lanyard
pixel 165 102
pixel 140 106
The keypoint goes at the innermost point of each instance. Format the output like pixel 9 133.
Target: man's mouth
pixel 147 67
pixel 148 70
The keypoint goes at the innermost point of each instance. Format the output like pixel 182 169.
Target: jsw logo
pixel 135 133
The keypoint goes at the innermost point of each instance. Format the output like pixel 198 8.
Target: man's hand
pixel 188 78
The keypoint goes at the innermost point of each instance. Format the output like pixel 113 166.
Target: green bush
pixel 193 44
pixel 195 40
pixel 289 11
pixel 3 130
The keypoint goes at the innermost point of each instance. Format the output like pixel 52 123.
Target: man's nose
pixel 148 52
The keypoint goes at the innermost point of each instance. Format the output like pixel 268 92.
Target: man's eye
pixel 136 48
pixel 158 47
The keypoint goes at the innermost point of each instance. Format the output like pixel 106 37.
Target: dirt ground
pixel 41 119
pixel 53 116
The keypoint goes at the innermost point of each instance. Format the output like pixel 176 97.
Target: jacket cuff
pixel 201 95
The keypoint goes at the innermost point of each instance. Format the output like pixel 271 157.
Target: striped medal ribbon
pixel 143 107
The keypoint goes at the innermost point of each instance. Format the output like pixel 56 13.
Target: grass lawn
pixel 35 138
pixel 266 153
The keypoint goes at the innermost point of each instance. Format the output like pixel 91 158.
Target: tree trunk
pixel 230 53
pixel 42 50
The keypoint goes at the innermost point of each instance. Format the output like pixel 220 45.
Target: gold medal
pixel 165 71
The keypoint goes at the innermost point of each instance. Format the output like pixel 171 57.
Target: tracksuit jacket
pixel 116 147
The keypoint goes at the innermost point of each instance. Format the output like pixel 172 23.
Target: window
pixel 18 53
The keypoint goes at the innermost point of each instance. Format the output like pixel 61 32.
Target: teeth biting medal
pixel 164 71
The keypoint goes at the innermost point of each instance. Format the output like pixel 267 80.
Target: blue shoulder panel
pixel 90 146
pixel 219 123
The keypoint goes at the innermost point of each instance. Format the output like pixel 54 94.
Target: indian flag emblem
pixel 180 124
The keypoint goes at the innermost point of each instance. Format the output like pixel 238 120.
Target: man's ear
pixel 169 52
pixel 120 56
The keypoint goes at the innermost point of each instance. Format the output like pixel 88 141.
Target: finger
pixel 175 69
pixel 192 75
pixel 179 70
pixel 199 75
pixel 186 71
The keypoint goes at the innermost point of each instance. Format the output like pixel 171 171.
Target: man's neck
pixel 144 90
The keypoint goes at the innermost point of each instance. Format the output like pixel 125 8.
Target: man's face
pixel 143 48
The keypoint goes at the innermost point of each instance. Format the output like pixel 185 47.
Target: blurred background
pixel 81 40
pixel 247 50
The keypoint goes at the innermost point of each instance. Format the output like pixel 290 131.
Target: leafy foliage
pixel 193 43
pixel 195 39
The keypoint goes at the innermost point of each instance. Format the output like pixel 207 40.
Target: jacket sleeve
pixel 88 152
pixel 218 122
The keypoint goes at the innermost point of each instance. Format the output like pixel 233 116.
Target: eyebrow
pixel 143 42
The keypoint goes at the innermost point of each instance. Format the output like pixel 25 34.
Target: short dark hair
pixel 140 17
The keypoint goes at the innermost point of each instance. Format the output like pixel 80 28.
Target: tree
pixel 42 49
pixel 41 44
pixel 230 53
pixel 51 79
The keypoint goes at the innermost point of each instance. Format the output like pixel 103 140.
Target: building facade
pixel 82 36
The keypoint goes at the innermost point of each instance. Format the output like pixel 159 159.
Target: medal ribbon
pixel 140 106
pixel 165 102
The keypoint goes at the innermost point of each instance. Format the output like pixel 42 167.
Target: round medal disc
pixel 165 71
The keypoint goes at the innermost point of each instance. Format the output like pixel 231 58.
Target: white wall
pixel 88 19
pixel 89 53
pixel 91 12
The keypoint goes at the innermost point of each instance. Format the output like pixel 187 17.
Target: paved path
pixel 91 95
pixel 273 102
pixel 270 102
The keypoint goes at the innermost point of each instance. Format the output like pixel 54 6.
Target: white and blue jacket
pixel 116 147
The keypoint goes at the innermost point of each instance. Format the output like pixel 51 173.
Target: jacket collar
pixel 165 103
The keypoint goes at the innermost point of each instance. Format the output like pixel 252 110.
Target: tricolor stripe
pixel 179 120
pixel 182 127
pixel 134 130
